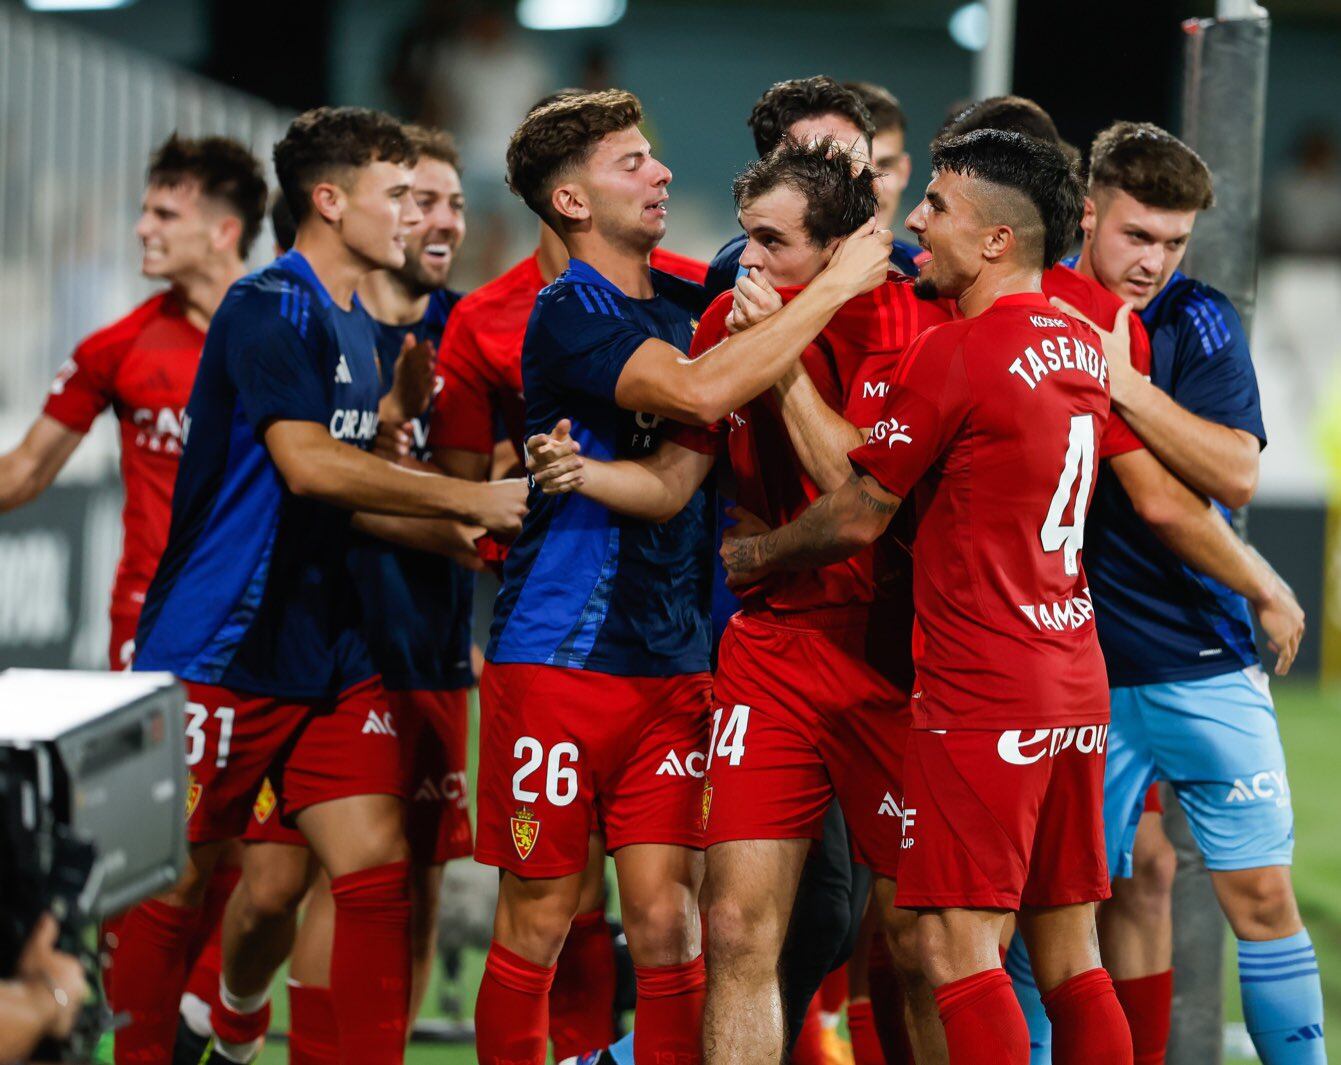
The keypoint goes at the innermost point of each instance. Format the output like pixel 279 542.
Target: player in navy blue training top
pixel 253 607
pixel 1190 700
pixel 595 695
pixel 863 117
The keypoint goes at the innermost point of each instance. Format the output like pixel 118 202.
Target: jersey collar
pixel 296 263
pixel 588 274
pixel 1024 299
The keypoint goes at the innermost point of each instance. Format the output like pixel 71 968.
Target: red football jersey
pixel 143 367
pixel 1101 307
pixel 479 358
pixel 850 363
pixel 993 424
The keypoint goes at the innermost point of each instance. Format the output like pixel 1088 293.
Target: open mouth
pixel 657 207
pixel 438 252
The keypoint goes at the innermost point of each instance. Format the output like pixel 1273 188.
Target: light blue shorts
pixel 1217 743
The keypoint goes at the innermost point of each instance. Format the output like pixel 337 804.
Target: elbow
pixel 703 405
pixel 302 482
pixel 1157 509
pixel 1239 490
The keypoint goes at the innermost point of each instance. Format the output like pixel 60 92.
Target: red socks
pixel 582 1000
pixel 809 1050
pixel 512 1010
pixel 668 1024
pixel 833 990
pixel 370 963
pixel 150 972
pixel 314 1038
pixel 861 1027
pixel 1087 1022
pixel 983 1022
pixel 1148 1003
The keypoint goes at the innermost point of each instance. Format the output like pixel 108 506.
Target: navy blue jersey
pixel 1158 620
pixel 252 592
pixel 583 587
pixel 725 265
pixel 416 606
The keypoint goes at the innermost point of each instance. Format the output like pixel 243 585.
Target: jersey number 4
pixel 1078 466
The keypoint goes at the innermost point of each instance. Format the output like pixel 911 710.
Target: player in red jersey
pixel 994 421
pixel 802 712
pixel 202 210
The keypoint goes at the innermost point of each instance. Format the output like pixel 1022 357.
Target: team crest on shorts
pixel 707 806
pixel 525 831
pixel 265 802
pixel 193 790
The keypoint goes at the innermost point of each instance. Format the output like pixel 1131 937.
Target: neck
pixel 627 270
pixel 337 266
pixel 550 255
pixel 1085 264
pixel 993 283
pixel 387 299
pixel 201 291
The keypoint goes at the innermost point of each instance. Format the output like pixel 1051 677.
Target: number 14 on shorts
pixel 729 742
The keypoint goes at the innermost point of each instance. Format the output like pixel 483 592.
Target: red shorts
pixel 568 752
pixel 994 820
pixel 433 728
pixel 803 716
pixel 313 751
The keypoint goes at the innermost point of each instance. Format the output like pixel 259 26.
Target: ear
pixel 227 233
pixel 329 200
pixel 1090 218
pixel 570 202
pixel 998 242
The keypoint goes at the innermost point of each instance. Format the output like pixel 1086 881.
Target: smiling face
pixel 431 243
pixel 1133 249
pixel 620 190
pixel 779 245
pixel 178 229
pixel 375 212
pixel 948 225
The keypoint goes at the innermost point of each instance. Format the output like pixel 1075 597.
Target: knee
pixel 902 939
pixel 741 935
pixel 1154 867
pixel 1263 906
pixel 535 928
pixel 271 894
pixel 662 930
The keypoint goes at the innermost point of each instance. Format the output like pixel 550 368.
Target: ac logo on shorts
pixel 707 805
pixel 266 801
pixel 380 724
pixel 1268 784
pixel 525 831
pixel 1015 749
pixel 193 791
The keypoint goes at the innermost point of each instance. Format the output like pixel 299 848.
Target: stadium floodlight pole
pixel 994 64
pixel 1224 121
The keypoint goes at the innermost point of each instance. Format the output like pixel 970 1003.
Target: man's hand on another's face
pixel 752 300
pixel 860 263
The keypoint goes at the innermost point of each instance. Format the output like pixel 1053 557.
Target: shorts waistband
pixel 852 616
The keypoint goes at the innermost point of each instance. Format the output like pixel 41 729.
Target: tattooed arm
pixel 834 527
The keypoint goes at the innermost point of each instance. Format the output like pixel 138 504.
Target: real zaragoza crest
pixel 525 831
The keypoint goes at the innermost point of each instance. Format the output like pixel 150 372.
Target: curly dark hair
pixel 840 194
pixel 1151 165
pixel 791 101
pixel 225 171
pixel 1011 114
pixel 559 135
pixel 322 143
pixel 1048 196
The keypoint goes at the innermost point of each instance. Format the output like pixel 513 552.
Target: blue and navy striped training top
pixel 252 592
pixel 584 587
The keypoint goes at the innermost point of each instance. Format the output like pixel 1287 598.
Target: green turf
pixel 1311 725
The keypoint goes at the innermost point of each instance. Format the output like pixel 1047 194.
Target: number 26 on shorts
pixel 731 744
pixel 560 778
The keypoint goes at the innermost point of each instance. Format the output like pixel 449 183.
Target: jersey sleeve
pixel 276 372
pixel 463 412
pixel 927 404
pixel 1213 374
pixel 582 340
pixel 82 388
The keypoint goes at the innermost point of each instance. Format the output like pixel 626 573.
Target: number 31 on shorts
pixel 731 744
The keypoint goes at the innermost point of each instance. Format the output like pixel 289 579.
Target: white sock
pixel 195 1012
pixel 243 1004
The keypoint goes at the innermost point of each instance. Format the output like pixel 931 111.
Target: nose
pixel 664 178
pixel 750 258
pixel 1152 260
pixel 411 214
pixel 144 226
pixel 913 223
